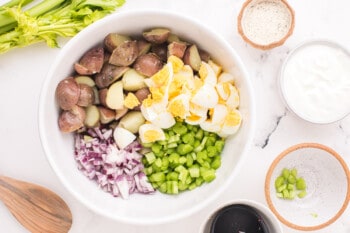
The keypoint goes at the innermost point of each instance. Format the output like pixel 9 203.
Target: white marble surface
pixel 23 71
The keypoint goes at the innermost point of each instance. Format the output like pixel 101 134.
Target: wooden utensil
pixel 35 207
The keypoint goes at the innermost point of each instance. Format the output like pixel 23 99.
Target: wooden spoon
pixel 35 207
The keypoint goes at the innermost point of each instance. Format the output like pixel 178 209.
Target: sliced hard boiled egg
pixel 179 106
pixel 151 111
pixel 233 100
pixel 198 110
pixel 217 118
pixel 194 119
pixel 216 68
pixel 164 120
pixel 224 90
pixel 218 114
pixel 209 126
pixel 207 74
pixel 231 124
pixel 162 78
pixel 226 77
pixel 176 62
pixel 150 133
pixel 206 96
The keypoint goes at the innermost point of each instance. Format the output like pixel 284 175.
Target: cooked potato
pixel 132 121
pixel 141 95
pixel 125 54
pixel 113 40
pixel 161 50
pixel 67 93
pixel 177 49
pixel 132 80
pixel 148 64
pixel 109 74
pixel 172 37
pixel 91 62
pixel 102 94
pixel 85 80
pixel 143 47
pixel 119 113
pixel 92 116
pixel 157 35
pixel 71 120
pixel 115 96
pixel 106 115
pixel 204 55
pixel 192 57
pixel 87 95
pixel 96 94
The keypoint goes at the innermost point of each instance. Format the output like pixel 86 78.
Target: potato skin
pixel 141 95
pixel 91 62
pixel 148 64
pixel 112 40
pixel 192 57
pixel 67 93
pixel 109 74
pixel 125 54
pixel 177 49
pixel 71 120
pixel 157 35
pixel 87 95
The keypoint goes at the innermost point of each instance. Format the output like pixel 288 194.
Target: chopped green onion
pixel 288 185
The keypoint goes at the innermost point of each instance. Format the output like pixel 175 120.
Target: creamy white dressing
pixel 316 82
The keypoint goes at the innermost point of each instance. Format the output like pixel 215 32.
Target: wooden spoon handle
pixel 35 207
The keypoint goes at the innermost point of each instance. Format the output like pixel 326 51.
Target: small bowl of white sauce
pixel 315 81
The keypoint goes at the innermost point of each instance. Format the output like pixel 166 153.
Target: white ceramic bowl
pixel 314 81
pixel 270 220
pixel 328 187
pixel 142 209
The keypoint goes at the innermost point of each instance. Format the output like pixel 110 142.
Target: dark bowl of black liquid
pixel 243 217
pixel 238 218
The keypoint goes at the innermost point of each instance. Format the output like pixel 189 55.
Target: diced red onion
pixel 119 172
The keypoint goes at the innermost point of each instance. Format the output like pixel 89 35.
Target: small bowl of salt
pixel 266 24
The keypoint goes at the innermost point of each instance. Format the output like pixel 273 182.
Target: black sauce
pixel 238 218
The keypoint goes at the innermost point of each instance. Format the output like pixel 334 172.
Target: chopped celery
pixel 187 158
pixel 288 185
pixel 150 157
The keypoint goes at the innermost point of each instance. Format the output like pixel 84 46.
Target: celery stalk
pixel 65 20
pixel 7 19
pixel 14 3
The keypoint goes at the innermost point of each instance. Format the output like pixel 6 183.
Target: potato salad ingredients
pixel 289 185
pixel 153 94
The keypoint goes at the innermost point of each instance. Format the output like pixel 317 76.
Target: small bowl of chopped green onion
pixel 308 186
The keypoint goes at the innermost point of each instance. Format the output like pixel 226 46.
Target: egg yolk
pixel 176 62
pixel 193 117
pixel 226 88
pixel 152 135
pixel 177 108
pixel 131 101
pixel 203 72
pixel 161 77
pixel 232 118
pixel 148 101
